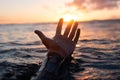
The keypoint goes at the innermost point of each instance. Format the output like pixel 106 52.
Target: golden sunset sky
pixel 32 11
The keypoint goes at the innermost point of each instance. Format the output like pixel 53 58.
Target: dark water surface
pixel 97 51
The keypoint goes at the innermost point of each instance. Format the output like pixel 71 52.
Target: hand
pixel 64 44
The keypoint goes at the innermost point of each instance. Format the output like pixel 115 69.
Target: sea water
pixel 98 48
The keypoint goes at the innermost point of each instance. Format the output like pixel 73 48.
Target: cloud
pixel 89 5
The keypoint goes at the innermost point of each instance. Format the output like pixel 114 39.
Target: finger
pixel 73 30
pixel 67 30
pixel 77 36
pixel 40 34
pixel 59 27
pixel 44 39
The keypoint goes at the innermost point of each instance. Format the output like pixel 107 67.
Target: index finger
pixel 59 27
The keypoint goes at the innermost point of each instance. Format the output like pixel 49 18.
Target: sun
pixel 68 17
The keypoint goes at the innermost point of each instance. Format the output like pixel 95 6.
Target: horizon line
pixel 57 22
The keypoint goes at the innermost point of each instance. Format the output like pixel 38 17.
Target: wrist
pixel 60 53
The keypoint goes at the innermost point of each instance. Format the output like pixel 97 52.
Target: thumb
pixel 43 38
pixel 40 34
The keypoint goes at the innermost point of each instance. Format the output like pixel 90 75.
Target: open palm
pixel 64 44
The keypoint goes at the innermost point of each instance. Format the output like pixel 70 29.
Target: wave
pixel 24 49
pixel 22 44
pixel 100 41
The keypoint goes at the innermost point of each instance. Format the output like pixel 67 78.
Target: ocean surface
pixel 97 52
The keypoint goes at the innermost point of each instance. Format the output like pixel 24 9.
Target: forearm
pixel 50 67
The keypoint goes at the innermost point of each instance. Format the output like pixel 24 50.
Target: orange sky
pixel 30 11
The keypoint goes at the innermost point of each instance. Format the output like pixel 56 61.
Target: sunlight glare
pixel 68 17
